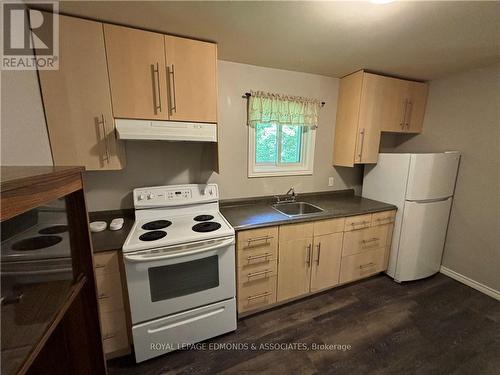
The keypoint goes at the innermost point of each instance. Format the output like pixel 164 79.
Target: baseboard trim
pixel 472 283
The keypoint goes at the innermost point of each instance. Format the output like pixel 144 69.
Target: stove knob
pixel 141 197
pixel 151 196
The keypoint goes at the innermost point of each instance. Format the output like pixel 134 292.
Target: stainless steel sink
pixel 297 209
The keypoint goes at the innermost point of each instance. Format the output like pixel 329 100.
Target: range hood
pixel 166 130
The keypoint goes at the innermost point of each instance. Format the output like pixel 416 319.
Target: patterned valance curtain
pixel 282 109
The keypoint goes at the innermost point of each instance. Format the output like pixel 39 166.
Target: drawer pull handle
pixel 102 296
pixel 109 336
pixel 263 238
pixel 100 265
pixel 253 257
pixel 262 295
pixel 367 265
pixel 371 240
pixel 384 219
pixel 360 222
pixel 254 274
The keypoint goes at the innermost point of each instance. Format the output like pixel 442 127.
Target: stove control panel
pixel 175 195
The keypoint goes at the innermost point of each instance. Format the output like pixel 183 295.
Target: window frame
pixel 305 167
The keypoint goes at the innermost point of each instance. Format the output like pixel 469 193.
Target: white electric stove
pixel 180 264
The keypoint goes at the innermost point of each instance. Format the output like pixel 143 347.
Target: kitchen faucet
pixel 289 196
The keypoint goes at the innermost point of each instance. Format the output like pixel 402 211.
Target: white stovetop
pixel 179 232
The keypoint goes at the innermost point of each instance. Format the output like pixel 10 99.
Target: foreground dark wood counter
pixel 53 326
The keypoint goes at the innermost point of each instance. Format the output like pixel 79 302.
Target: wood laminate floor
pixel 433 326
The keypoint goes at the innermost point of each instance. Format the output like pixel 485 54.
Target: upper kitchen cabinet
pixel 359 112
pixel 404 105
pixel 137 73
pixel 369 104
pixel 192 69
pixel 77 100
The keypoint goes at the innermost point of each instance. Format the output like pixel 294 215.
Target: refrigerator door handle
pixel 423 201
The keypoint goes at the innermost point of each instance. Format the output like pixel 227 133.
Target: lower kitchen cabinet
pixel 326 261
pixel 294 268
pixel 279 264
pixel 112 311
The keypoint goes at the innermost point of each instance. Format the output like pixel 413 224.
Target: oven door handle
pixel 147 256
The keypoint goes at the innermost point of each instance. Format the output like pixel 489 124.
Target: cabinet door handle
pixel 157 89
pixel 309 255
pixel 265 294
pixel 319 253
pixel 362 139
pixel 171 73
pixel 408 115
pixel 102 124
pixel 402 122
pixel 100 265
pixel 102 296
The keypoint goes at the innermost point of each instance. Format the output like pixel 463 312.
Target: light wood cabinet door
pixel 192 81
pixel 294 268
pixel 327 254
pixel 77 100
pixel 137 73
pixel 346 124
pixel 394 105
pixel 417 101
pixel 371 115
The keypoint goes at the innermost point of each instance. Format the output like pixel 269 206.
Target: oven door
pixel 168 280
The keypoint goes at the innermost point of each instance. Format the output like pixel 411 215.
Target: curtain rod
pixel 247 95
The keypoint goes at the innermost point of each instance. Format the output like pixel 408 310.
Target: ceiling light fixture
pixel 381 1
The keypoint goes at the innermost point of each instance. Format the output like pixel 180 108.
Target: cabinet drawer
pixel 258 238
pixel 329 226
pixel 386 217
pixel 256 294
pixel 105 263
pixel 110 303
pixel 358 241
pixel 114 331
pixel 357 222
pixel 296 231
pixel 358 266
pixel 254 272
pixel 109 285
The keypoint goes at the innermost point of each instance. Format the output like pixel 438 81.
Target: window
pixel 276 150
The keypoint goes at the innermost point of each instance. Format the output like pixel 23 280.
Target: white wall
pixel 159 163
pixel 23 131
pixel 463 113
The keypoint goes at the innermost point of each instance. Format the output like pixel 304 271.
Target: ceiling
pixel 420 40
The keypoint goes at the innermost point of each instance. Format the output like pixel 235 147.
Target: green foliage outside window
pixel 273 140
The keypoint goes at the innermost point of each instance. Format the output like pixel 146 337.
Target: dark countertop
pixel 109 239
pixel 256 213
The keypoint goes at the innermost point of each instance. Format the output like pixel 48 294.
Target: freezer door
pixel 432 176
pixel 422 239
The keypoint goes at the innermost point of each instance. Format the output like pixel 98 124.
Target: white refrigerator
pixel 422 187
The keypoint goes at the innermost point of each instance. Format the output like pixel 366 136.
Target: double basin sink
pixel 297 209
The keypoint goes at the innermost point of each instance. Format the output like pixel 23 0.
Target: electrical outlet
pixel 330 181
